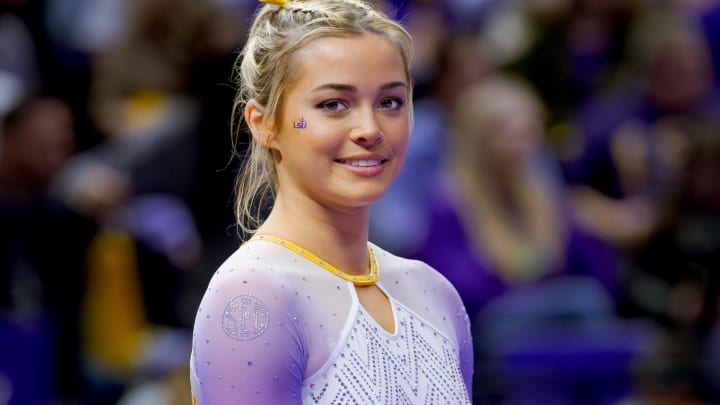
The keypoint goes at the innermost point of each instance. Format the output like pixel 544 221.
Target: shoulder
pixel 411 274
pixel 256 271
pixel 424 291
pixel 257 261
pixel 247 329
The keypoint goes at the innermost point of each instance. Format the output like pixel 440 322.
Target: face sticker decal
pixel 300 124
pixel 245 317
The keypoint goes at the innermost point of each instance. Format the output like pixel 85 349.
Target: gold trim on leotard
pixel 359 280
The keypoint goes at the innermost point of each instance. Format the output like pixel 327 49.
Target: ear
pixel 255 117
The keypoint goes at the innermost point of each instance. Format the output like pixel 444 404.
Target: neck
pixel 337 235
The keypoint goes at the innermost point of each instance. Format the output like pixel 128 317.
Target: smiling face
pixel 344 124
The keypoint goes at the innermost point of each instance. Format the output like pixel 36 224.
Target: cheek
pixel 400 146
pixel 309 144
pixel 398 133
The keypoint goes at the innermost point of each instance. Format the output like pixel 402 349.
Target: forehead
pixel 355 60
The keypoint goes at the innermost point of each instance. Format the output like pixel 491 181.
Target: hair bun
pixel 277 3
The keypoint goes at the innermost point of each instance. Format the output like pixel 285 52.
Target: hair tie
pixel 274 3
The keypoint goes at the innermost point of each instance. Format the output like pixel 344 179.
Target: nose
pixel 367 130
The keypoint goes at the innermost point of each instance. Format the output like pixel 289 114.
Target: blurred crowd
pixel 562 173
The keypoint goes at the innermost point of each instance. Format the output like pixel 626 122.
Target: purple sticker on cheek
pixel 301 124
pixel 245 317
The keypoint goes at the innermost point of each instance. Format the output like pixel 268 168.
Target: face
pixel 680 77
pixel 511 136
pixel 46 141
pixel 344 123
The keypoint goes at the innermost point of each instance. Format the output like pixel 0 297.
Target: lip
pixel 363 165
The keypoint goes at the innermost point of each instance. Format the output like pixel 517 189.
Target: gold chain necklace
pixel 360 280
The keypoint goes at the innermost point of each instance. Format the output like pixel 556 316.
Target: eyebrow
pixel 351 88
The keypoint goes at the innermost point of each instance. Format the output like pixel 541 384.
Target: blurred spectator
pixel 72 32
pixel 211 84
pixel 400 219
pixel 18 51
pixel 42 251
pixel 635 160
pixel 577 53
pixel 626 164
pixel 138 183
pixel 428 24
pixel 149 65
pixel 501 233
pixel 508 28
pixel 672 279
pixel 59 69
pixel 84 27
pixel 20 76
pixel 12 91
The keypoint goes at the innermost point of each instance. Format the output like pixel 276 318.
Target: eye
pixel 392 103
pixel 333 105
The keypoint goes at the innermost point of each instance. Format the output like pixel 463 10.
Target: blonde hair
pixel 475 111
pixel 517 256
pixel 265 68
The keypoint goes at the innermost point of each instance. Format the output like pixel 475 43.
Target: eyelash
pixel 325 104
pixel 400 102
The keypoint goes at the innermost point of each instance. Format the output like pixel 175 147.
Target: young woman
pixel 307 311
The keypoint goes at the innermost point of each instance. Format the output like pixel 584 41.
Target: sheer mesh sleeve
pixel 465 342
pixel 247 345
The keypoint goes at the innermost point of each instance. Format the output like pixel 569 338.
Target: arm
pixel 465 345
pixel 459 321
pixel 623 222
pixel 247 345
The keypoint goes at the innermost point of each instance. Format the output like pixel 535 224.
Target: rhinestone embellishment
pixel 245 317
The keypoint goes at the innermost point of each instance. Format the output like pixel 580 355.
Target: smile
pixel 362 163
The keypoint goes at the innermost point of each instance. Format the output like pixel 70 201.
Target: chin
pixel 367 197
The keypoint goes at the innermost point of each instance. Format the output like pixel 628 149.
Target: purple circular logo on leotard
pixel 245 317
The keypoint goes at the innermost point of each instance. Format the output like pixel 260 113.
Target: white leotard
pixel 275 328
